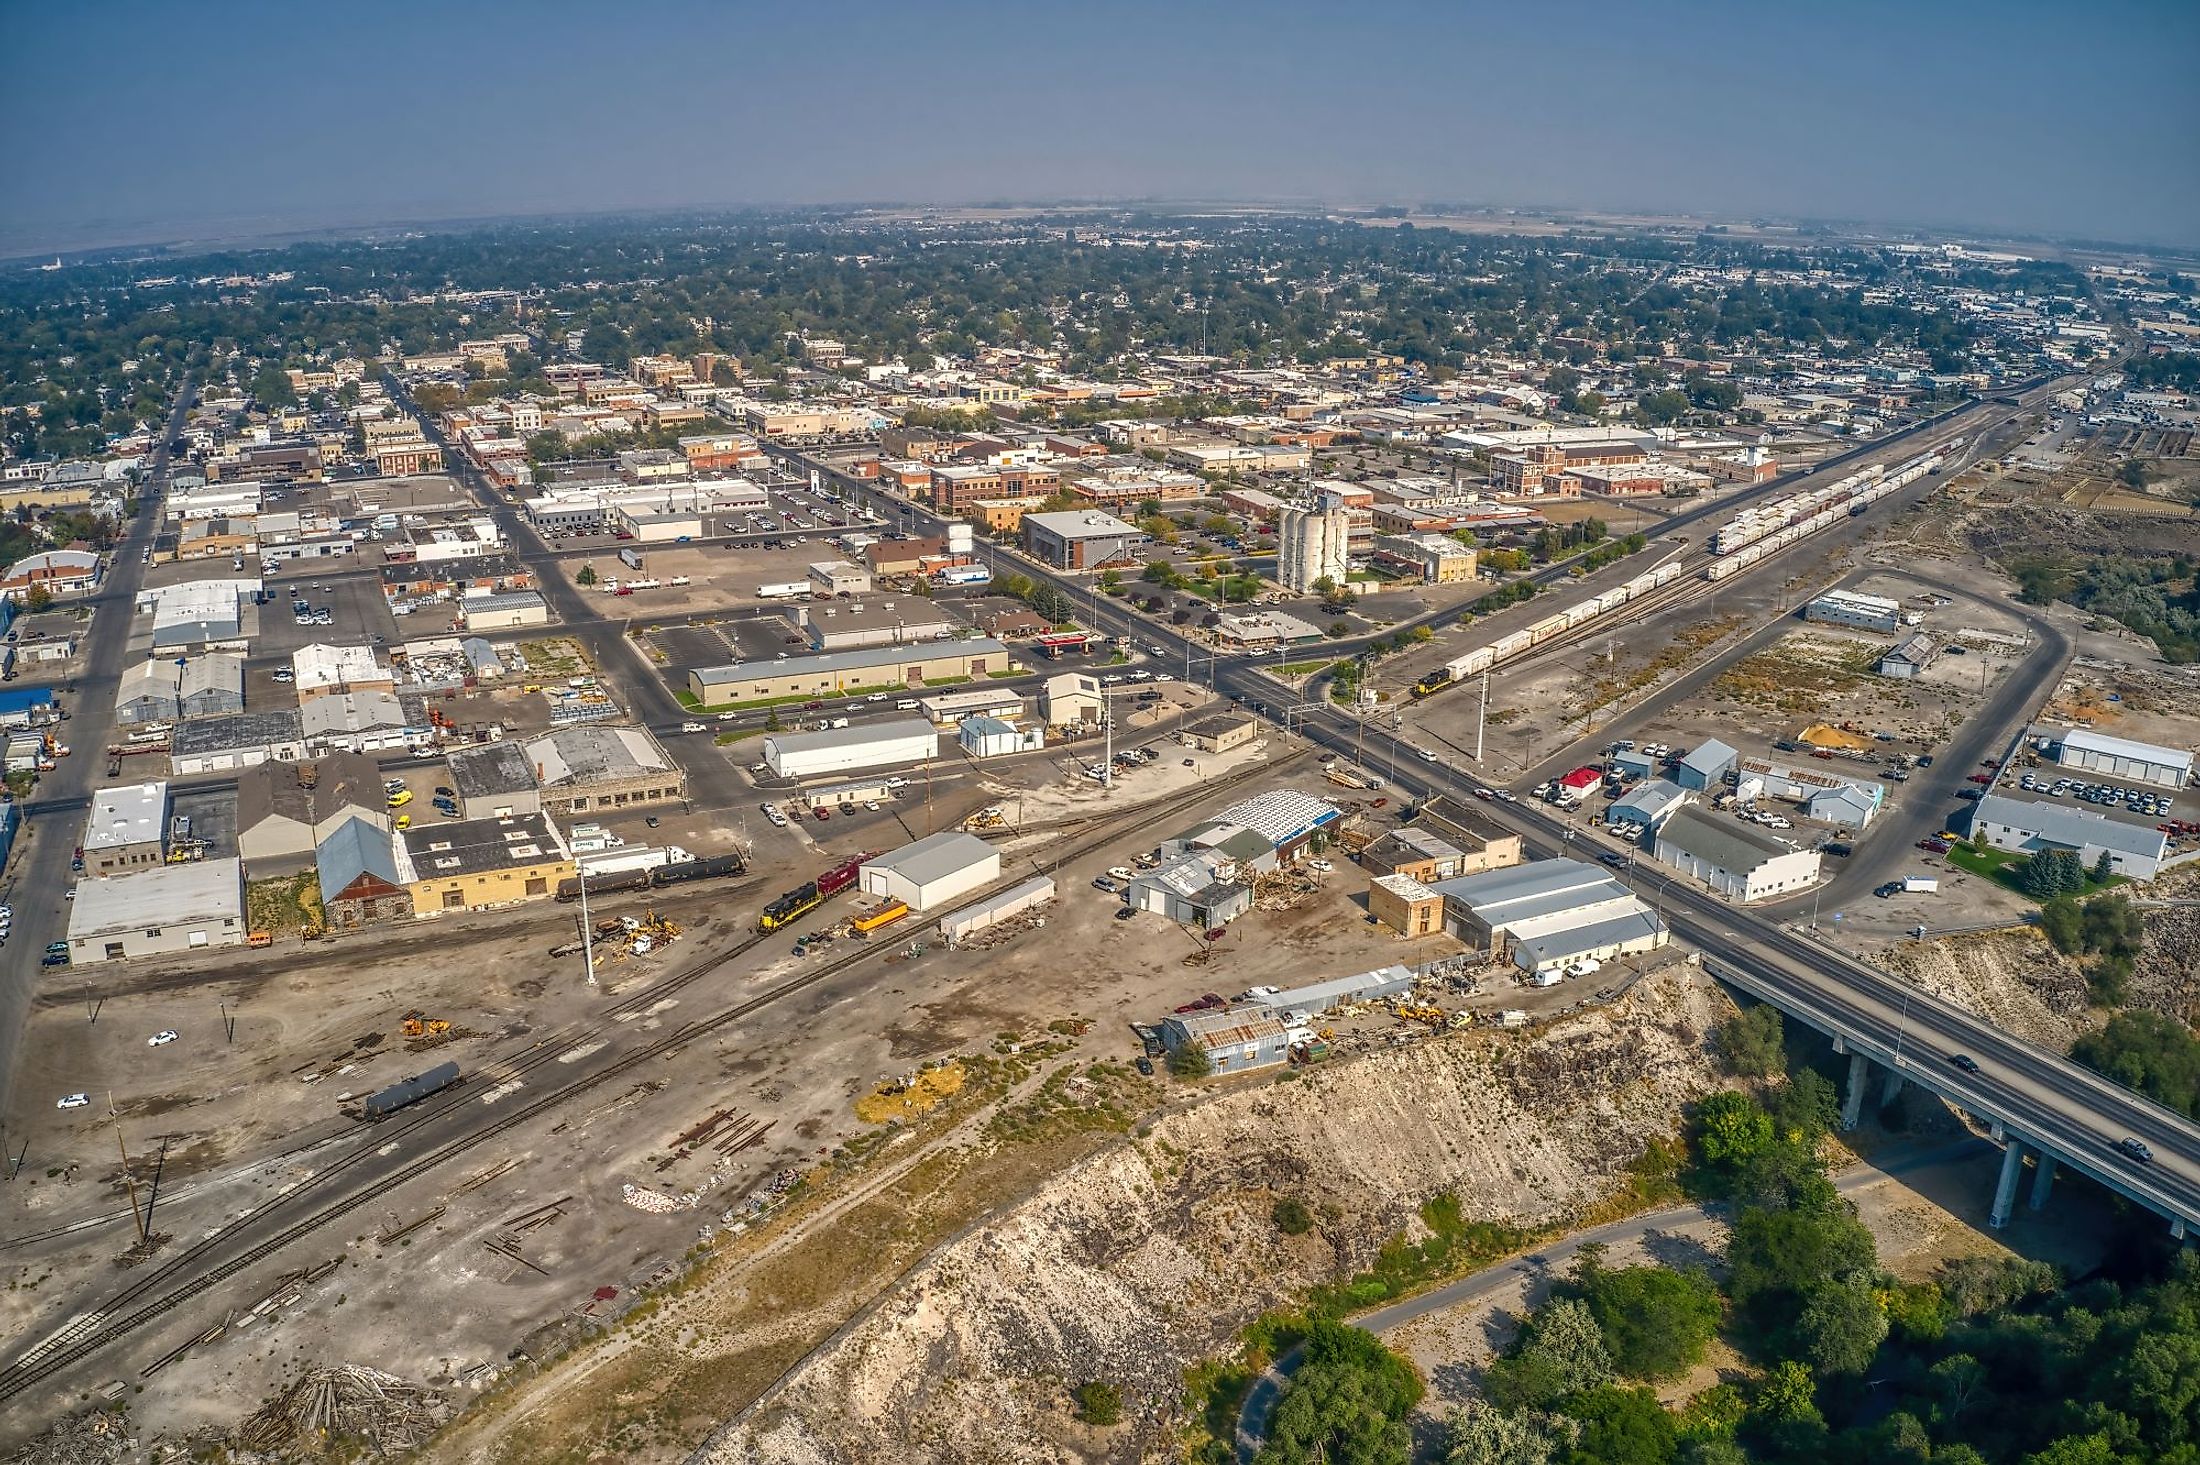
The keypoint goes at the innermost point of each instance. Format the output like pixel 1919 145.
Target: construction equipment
pixel 419 1025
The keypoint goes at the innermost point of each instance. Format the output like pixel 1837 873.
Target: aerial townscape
pixel 1099 812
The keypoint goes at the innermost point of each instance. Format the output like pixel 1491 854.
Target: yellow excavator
pixel 419 1025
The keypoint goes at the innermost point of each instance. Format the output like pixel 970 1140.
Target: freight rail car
pixel 1483 658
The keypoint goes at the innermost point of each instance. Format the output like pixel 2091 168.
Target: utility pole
pixel 588 927
pixel 1482 716
pixel 128 1179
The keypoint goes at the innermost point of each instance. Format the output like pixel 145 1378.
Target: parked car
pixel 74 1101
pixel 161 1039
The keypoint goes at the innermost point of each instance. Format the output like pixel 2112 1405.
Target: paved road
pixel 2041 1096
pixel 37 874
pixel 1260 1401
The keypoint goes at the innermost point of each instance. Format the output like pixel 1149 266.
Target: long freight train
pixel 1482 658
pixel 710 868
pixel 1740 545
pixel 808 896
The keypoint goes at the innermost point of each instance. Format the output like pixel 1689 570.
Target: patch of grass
pixel 1455 1247
pixel 286 905
pixel 726 738
pixel 2000 866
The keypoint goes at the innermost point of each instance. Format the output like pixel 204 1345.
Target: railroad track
pixel 144 1302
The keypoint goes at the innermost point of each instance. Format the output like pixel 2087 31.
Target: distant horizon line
pixel 269 235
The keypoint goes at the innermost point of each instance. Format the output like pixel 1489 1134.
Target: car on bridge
pixel 2134 1149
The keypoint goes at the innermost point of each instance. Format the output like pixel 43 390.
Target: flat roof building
pixel 1081 539
pixel 158 912
pixel 479 864
pixel 1406 905
pixel 495 780
pixel 127 827
pixel 893 744
pixel 230 741
pixel 586 769
pixel 836 672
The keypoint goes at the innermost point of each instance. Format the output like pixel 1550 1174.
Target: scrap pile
pixel 346 1402
pixel 1282 890
pixel 101 1437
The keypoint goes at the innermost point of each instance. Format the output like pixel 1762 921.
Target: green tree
pixel 2149 1053
pixel 2063 925
pixel 1656 1322
pixel 1480 1434
pixel 1291 1216
pixel 1779 1258
pixel 1560 1351
pixel 1190 1061
pixel 1731 1129
pixel 1346 1405
pixel 586 575
pixel 2103 868
pixel 1750 1042
pixel 1841 1328
pixel 1099 1403
pixel 1622 1427
pixel 271 387
pixel 1788 1395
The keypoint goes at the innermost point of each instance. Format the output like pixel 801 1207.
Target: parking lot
pixel 357 614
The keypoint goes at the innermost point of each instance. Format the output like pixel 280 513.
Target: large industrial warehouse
pixel 895 744
pixel 2123 758
pixel 2027 826
pixel 836 672
pixel 1549 913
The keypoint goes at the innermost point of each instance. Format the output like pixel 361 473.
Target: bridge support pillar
pixel 1852 1102
pixel 1891 1088
pixel 2005 1189
pixel 2043 1179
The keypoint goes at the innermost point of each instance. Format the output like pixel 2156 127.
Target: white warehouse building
pixel 2122 758
pixel 2028 826
pixel 1864 612
pixel 1736 859
pixel 894 744
pixel 933 871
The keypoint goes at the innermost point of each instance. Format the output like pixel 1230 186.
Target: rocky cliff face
pixel 1155 1255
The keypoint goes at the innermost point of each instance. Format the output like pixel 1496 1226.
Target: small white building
pixel 838 577
pixel 991 737
pixel 894 744
pixel 1736 859
pixel 2122 758
pixel 933 871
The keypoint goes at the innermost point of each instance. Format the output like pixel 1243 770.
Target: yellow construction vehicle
pixel 419 1025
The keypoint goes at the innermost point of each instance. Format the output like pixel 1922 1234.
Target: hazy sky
pixel 195 118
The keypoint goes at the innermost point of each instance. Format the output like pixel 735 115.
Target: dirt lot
pixel 721 576
pixel 243 1117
